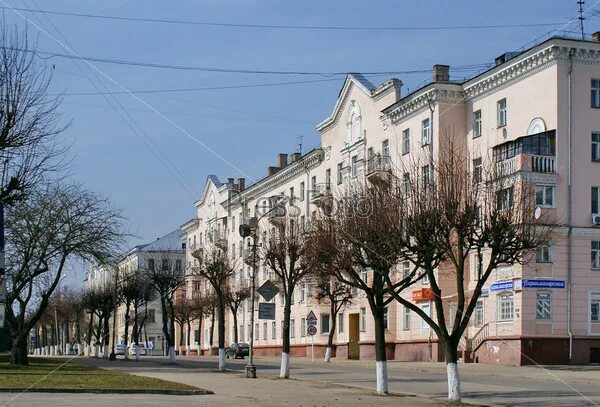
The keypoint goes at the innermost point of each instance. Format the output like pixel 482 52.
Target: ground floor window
pixel 505 307
pixel 292 328
pixel 264 331
pixel 341 323
pixel 406 318
pixel 273 330
pixel 596 255
pixel 426 307
pixel 595 307
pixel 363 319
pixel 543 305
pixel 302 327
pixel 324 323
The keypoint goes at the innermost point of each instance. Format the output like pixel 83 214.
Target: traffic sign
pixel 311 319
pixel 311 330
pixel 266 310
pixel 268 290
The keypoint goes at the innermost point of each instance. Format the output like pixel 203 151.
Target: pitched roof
pixel 171 241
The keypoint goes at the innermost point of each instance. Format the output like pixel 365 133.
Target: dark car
pixel 237 350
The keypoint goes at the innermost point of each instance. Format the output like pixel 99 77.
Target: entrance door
pixel 353 337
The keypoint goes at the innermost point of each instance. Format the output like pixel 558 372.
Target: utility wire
pixel 222 70
pixel 288 27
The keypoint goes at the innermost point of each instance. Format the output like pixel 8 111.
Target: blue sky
pixel 246 126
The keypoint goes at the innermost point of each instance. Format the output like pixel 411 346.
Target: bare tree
pixel 145 295
pixel 456 217
pixel 355 242
pixel 284 252
pixel 166 277
pixel 235 296
pixel 185 311
pixel 215 267
pixel 29 118
pixel 331 291
pixel 46 230
pixel 132 289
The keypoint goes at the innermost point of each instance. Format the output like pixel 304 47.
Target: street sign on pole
pixel 311 319
pixel 266 310
pixel 268 290
pixel 311 330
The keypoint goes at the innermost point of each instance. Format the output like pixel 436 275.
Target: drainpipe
pixel 569 215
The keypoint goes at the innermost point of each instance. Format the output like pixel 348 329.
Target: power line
pixel 286 27
pixel 222 70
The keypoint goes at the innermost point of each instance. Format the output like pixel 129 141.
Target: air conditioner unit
pixel 596 219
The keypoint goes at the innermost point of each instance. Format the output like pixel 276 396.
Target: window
pixel 504 198
pixel 595 200
pixel 406 318
pixel 328 178
pixel 302 191
pixel 405 269
pixel 425 132
pixel 363 320
pixel 302 327
pixel 477 170
pixel 340 168
pixel 340 323
pixel 354 166
pixel 595 92
pixel 178 265
pixel 426 307
pixel 256 334
pixel 544 196
pixel 501 109
pixel 313 186
pixel 364 276
pixel 425 279
pixel 596 255
pixel 151 316
pixel 273 330
pixel 543 305
pixel 505 307
pixel 595 146
pixel 406 141
pixel 477 124
pixel 165 264
pixel 544 253
pixel 595 307
pixel 292 328
pixel 151 264
pixel 385 318
pixel 324 323
pixel 249 328
pixel 241 249
pixel 302 293
pixel 385 148
pixel 264 331
pixel 425 176
pixel 406 183
pixel 478 314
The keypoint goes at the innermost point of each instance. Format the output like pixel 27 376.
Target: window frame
pixel 544 188
pixel 502 112
pixel 595 93
pixel 593 301
pixel 546 313
pixel 322 319
pixel 500 317
pixel 479 313
pixel 595 254
pixel 340 169
pixel 477 124
pixel 596 146
pixel 362 320
pixel 406 318
pixel 425 132
pixel 405 141
pixel 595 200
pixel 546 256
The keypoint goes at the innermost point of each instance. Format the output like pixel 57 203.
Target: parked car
pixel 120 349
pixel 237 350
pixel 141 347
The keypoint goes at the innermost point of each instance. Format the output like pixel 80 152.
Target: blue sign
pixel 484 292
pixel 544 283
pixel 505 285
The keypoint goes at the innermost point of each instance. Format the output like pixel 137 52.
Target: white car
pixel 141 347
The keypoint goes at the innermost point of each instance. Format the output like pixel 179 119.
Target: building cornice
pixel 429 95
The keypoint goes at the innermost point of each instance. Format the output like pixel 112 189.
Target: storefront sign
pixel 424 294
pixel 543 283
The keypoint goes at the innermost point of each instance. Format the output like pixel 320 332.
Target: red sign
pixel 423 294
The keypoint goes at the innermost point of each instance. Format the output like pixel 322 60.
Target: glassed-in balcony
pixel 534 153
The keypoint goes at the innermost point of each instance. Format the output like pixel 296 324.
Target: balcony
pixel 528 163
pixel 320 195
pixel 379 169
pixel 218 237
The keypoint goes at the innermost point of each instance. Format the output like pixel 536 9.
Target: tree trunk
pixel 126 333
pixel 212 331
pixel 284 372
pixel 89 336
pixel 19 351
pixel 221 333
pixel 235 324
pixel 380 356
pixel 331 332
pixel 451 354
pixel 106 338
pixel 171 333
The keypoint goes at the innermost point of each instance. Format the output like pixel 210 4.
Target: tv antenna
pixel 580 3
pixel 299 138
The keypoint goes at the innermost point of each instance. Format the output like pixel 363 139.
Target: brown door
pixel 353 337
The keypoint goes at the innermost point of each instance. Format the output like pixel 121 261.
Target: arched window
pixel 353 123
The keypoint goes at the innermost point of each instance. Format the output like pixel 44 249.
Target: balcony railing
pixel 379 168
pixel 543 163
pixel 526 162
pixel 320 194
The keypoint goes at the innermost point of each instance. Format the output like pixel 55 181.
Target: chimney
pixel 596 36
pixel 230 181
pixel 273 170
pixel 283 160
pixel 295 157
pixel 241 184
pixel 441 73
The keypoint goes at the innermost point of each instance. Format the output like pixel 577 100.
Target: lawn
pixel 56 374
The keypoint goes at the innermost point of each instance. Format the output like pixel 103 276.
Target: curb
pixel 108 391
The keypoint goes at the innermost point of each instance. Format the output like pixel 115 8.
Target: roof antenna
pixel 299 138
pixel 580 3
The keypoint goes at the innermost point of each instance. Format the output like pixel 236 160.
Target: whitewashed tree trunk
pixel 328 354
pixel 221 359
pixel 454 393
pixel 382 377
pixel 171 354
pixel 284 373
pixel 137 352
pixel 105 352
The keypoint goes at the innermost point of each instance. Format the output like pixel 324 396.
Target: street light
pixel 247 230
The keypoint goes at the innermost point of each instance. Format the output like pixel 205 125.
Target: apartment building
pixel 535 115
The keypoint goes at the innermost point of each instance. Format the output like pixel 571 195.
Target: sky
pixel 154 165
